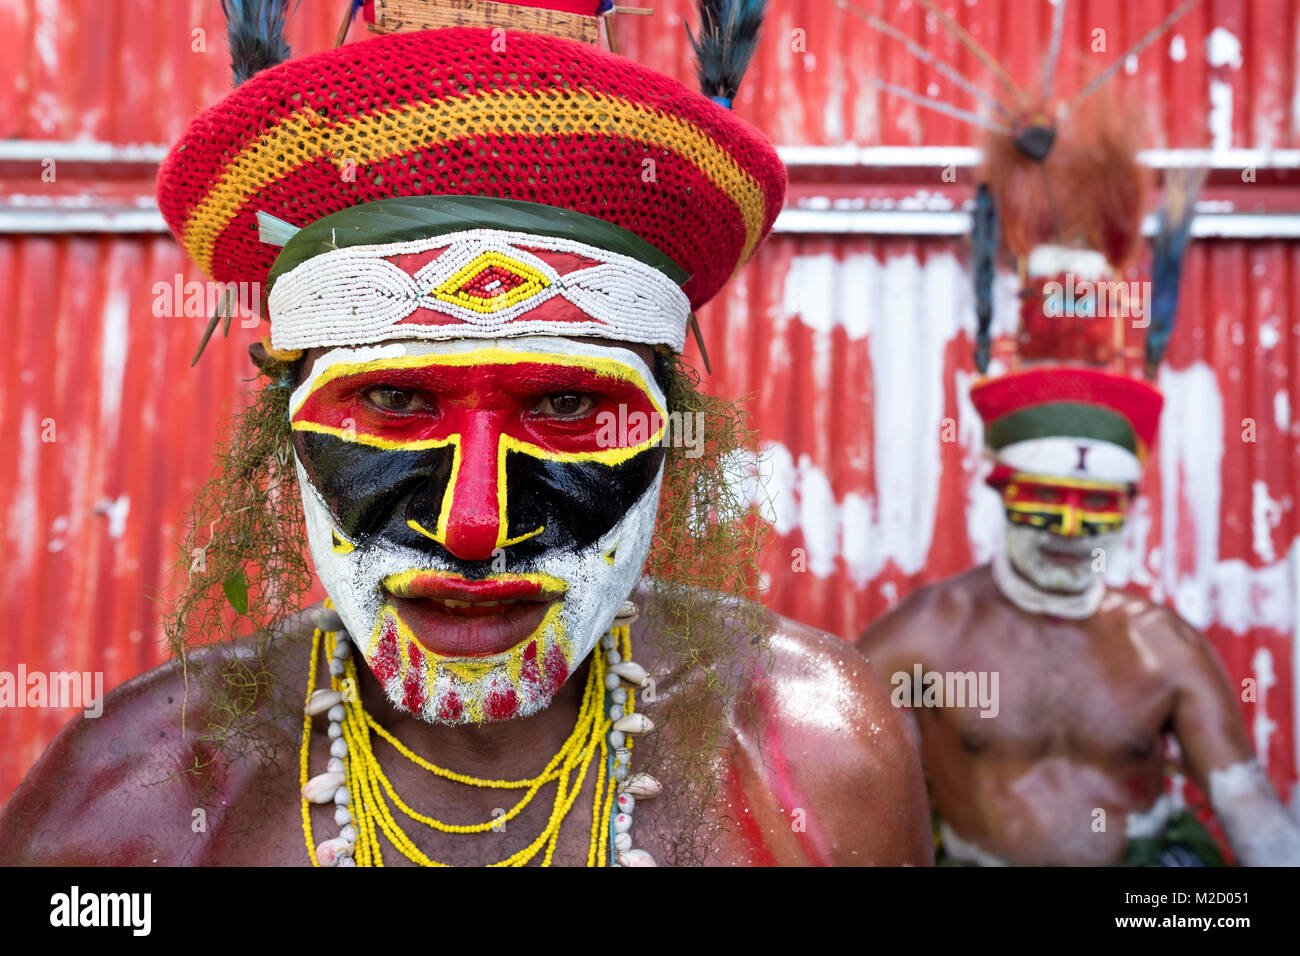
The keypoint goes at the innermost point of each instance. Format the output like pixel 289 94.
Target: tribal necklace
pixel 355 783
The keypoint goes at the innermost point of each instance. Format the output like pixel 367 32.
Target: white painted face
pixel 478 510
pixel 1054 562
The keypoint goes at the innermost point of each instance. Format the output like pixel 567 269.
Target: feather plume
pixel 725 45
pixel 1168 245
pixel 984 261
pixel 1087 189
pixel 255 32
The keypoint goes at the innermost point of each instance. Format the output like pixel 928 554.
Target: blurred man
pixel 1044 700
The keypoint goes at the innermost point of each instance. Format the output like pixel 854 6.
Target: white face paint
pixel 455 636
pixel 1054 562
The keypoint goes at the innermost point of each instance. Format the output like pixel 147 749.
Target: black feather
pixel 726 44
pixel 255 31
pixel 984 256
pixel 1168 246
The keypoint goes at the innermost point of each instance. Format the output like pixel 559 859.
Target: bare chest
pixel 1043 686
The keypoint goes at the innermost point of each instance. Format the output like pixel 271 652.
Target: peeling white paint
pixel 1269 335
pixel 1191 457
pixel 112 360
pixel 1282 409
pixel 20 525
pixel 1220 118
pixel 116 509
pixel 1177 48
pixel 1265 515
pixel 1261 726
pixel 1222 48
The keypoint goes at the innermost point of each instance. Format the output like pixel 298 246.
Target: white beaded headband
pixel 486 283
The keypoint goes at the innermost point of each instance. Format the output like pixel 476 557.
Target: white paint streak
pixel 1222 48
pixel 1220 118
pixel 1223 51
pixel 1261 726
pixel 1185 565
pixel 1265 514
pixel 1177 48
pixel 908 312
pixel 24 508
pixel 112 360
pixel 1191 456
pixel 1282 409
pixel 116 509
pixel 1269 335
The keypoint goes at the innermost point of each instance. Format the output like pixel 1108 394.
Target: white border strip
pixel 823 222
pixel 881 222
pixel 93 151
pixel 868 157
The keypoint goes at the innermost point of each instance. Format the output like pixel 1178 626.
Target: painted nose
pixel 473 527
pixel 1072 521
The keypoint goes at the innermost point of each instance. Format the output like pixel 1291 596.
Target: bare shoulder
pixel 1182 648
pixel 933 612
pixel 821 761
pixel 851 748
pixel 128 787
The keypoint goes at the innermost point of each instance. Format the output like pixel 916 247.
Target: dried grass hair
pixel 246 569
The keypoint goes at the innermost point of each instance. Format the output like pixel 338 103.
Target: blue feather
pixel 1168 246
pixel 726 43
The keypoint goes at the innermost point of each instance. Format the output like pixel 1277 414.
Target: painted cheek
pixel 413 684
pixel 386 661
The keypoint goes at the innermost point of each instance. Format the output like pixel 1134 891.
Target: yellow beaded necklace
pixel 368 786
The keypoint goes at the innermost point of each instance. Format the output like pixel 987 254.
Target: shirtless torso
pixel 1083 712
pixel 822 771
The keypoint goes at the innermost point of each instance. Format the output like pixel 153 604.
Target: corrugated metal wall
pixel 855 350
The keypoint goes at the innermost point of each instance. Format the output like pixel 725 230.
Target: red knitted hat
pixel 1069 421
pixel 451 113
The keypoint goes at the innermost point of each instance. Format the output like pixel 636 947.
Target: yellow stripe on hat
pixel 307 136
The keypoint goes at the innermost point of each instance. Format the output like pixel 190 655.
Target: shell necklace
pixel 355 783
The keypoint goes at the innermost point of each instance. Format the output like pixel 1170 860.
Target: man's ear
pixel 257 353
pixel 265 356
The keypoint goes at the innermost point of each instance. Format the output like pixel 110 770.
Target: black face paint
pixel 373 492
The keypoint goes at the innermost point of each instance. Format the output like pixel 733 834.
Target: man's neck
pixel 504 749
pixel 1027 596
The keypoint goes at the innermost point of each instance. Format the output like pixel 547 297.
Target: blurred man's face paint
pixel 475 525
pixel 1056 525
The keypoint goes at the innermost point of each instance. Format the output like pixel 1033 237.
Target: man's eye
pixel 1100 502
pixel 396 399
pixel 1047 494
pixel 566 405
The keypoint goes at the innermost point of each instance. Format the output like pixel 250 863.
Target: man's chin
pixel 1058 576
pixel 447 708
pixel 467 665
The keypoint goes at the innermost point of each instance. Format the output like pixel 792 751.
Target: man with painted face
pixel 477 298
pixel 1062 762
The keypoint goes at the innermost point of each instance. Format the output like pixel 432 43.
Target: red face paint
pixel 1063 506
pixel 549 411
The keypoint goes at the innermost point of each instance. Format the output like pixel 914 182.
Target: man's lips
pixel 453 616
pixel 1057 556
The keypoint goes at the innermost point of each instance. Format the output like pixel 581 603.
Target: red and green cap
pixel 1069 422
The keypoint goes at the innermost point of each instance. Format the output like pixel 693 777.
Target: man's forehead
pixel 1030 480
pixel 623 360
